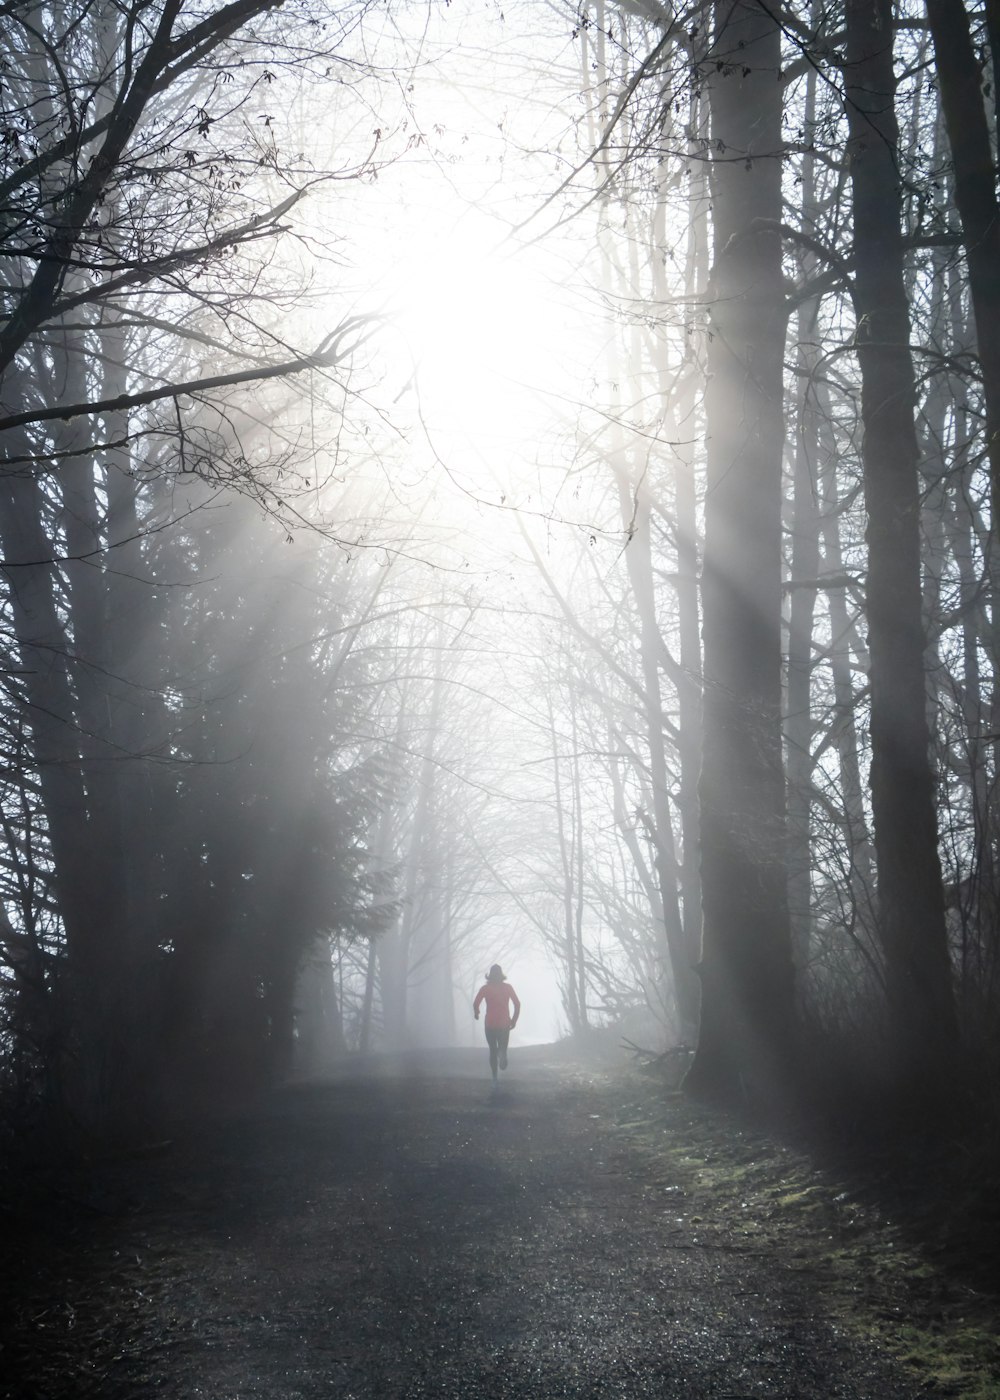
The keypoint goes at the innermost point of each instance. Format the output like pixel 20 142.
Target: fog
pixel 498 492
pixel 442 527
pixel 484 511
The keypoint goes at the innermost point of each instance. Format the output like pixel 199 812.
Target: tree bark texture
pixel 747 984
pixel 910 898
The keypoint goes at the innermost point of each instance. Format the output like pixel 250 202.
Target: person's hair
pixel 495 973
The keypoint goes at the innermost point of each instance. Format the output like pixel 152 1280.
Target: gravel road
pixel 408 1234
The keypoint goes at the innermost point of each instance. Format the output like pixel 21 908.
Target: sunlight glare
pixel 483 323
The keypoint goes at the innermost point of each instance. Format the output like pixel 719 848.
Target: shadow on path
pixel 408 1232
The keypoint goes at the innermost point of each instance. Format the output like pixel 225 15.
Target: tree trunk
pixel 685 418
pixel 576 1013
pixel 747 982
pixel 78 839
pixel 365 1030
pixel 803 528
pixel 910 898
pixel 844 641
pixel 960 81
pixel 676 953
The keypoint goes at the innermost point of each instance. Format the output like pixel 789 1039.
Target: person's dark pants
pixel 497 1041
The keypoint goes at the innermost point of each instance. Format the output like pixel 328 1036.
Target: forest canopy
pixel 497 483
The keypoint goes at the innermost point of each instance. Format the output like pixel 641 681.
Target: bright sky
pixel 492 332
pixel 492 341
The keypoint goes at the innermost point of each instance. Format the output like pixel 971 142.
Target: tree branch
pixel 324 358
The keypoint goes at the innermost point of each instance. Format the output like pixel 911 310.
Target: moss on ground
pixel 896 1256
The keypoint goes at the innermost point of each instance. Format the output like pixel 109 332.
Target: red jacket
pixel 497 996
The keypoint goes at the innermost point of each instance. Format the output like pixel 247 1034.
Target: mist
pixel 497 487
pixel 416 580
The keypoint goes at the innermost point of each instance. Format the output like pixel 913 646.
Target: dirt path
pixel 392 1238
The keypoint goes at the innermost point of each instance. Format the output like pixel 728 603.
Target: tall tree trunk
pixel 747 981
pixel 318 1018
pixel 365 1030
pixel 572 976
pixel 803 528
pixel 50 670
pixel 120 1025
pixel 576 862
pixel 804 568
pixel 684 405
pixel 910 897
pixel 844 642
pixel 960 82
pixel 964 529
pixel 675 952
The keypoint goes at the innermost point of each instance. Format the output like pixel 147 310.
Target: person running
pixel 499 996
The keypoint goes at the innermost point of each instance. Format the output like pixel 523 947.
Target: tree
pixel 126 186
pixel 963 108
pixel 910 897
pixel 134 201
pixel 745 1044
